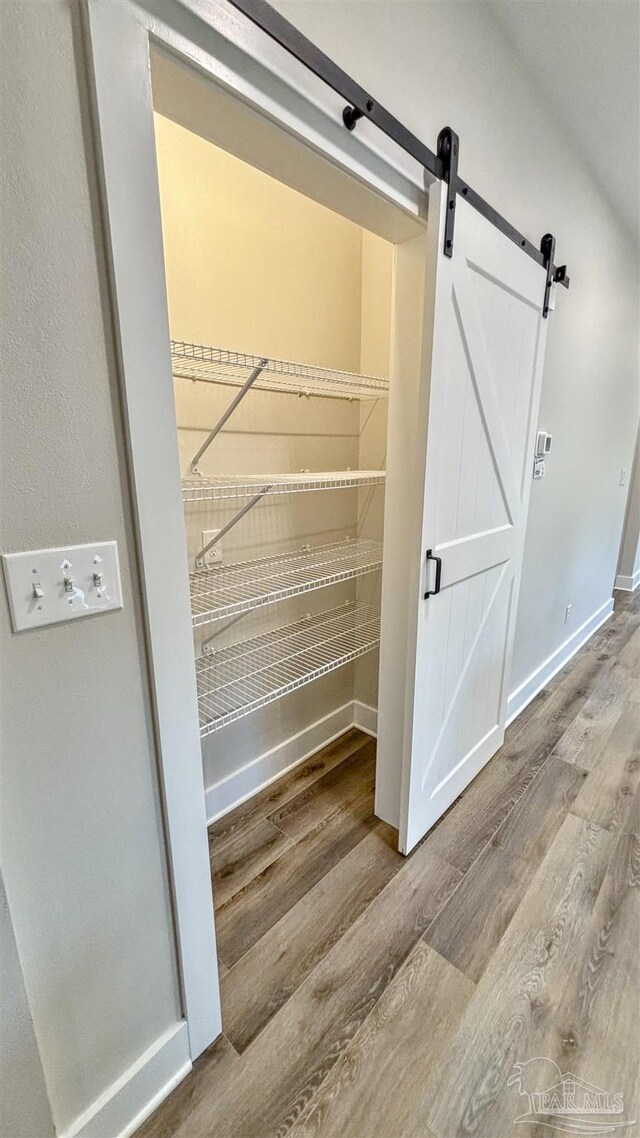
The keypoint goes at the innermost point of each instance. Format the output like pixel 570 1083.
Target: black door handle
pixel 438 560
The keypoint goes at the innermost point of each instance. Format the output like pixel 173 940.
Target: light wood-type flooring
pixel 367 995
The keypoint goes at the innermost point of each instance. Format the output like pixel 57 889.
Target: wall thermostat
pixel 543 444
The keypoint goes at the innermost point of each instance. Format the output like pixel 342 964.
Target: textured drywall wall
pixel 24 1103
pixel 82 844
pixel 433 64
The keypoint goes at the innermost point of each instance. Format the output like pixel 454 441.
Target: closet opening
pixel 281 317
pixel 279 312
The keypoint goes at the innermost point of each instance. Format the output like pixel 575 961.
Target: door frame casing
pixel 225 49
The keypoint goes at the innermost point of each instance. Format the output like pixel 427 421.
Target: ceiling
pixel 584 56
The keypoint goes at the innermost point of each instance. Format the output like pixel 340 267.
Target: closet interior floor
pixel 366 994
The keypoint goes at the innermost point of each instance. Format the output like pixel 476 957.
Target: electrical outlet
pixel 213 556
pixel 567 613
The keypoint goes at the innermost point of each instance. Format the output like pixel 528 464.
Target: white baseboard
pixel 366 718
pixel 231 791
pixel 534 683
pixel 125 1105
pixel 627 584
pixel 236 788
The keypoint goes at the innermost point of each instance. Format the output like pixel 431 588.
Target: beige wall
pixel 83 852
pixel 255 266
pixel 251 264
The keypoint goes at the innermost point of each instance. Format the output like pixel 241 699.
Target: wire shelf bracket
pixel 201 555
pixel 227 415
pixel 234 681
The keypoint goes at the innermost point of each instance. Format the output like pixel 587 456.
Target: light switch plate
pixel 47 586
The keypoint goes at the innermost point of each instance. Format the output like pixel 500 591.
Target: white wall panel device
pixel 48 586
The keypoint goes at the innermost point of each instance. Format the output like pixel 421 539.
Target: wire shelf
pixel 227 590
pixel 235 681
pixel 250 485
pixel 217 365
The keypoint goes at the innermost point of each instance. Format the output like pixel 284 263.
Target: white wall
pixel 628 575
pixel 375 352
pixel 82 846
pixel 24 1103
pixel 435 64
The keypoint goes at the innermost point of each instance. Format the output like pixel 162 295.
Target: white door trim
pixel 223 46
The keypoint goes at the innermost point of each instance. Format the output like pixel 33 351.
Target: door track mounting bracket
pixel 352 115
pixel 448 153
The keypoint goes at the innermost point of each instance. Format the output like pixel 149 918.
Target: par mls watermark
pixel 563 1101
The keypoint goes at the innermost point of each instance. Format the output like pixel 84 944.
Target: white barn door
pixel 484 375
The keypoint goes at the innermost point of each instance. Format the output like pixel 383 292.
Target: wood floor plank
pixel 607 796
pixel 631 823
pixel 351 1025
pixel 594 1032
pixel 343 783
pixel 516 1002
pixel 251 912
pixel 472 923
pixel 628 660
pixel 609 641
pixel 377 1084
pixel 243 858
pixel 586 738
pixel 626 599
pixel 463 832
pixel 518 725
pixel 533 823
pixel 280 1071
pixel 263 803
pixel 602 649
pixel 289 951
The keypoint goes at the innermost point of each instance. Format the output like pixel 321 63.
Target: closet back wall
pixel 254 266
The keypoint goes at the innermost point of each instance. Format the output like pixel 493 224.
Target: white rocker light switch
pixel 47 586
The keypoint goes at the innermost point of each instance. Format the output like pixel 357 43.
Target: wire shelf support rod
pixel 227 415
pixel 200 557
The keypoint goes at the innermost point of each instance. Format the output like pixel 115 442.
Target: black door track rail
pixel 443 165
